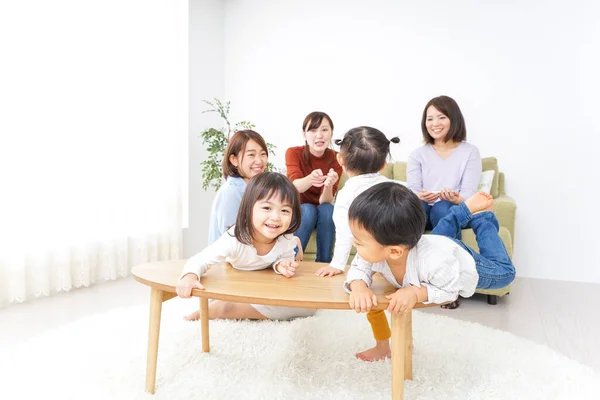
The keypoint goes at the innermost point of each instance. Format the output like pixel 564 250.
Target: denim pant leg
pixel 438 211
pixel 451 224
pixel 325 232
pixel 307 223
pixel 494 266
pixel 427 209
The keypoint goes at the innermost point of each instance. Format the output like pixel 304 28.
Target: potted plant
pixel 216 142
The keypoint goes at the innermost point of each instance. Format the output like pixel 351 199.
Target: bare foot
pixel 381 351
pixel 480 201
pixel 195 316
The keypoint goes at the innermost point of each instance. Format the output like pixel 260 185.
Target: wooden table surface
pixel 223 282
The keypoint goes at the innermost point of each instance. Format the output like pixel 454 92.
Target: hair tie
pixel 395 139
pixel 339 142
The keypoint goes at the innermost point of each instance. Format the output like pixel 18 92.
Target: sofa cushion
pixel 491 163
pixel 486 181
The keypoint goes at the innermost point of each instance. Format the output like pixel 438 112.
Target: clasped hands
pixel 445 194
pixel 317 179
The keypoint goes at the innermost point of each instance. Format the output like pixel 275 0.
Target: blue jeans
pixel 493 264
pixel 435 212
pixel 320 217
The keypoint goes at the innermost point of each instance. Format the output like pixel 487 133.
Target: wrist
pixel 358 286
pixel 190 276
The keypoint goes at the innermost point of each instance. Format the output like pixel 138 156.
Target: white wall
pixel 523 74
pixel 206 81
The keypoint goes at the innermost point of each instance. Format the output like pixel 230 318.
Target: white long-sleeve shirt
pixel 343 236
pixel 240 256
pixel 436 262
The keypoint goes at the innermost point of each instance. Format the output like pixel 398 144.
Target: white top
pixel 240 256
pixel 436 262
pixel 460 171
pixel 345 196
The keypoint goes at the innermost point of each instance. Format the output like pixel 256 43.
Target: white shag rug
pixel 104 357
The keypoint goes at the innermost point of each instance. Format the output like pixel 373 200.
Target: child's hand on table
pixel 328 271
pixel 287 268
pixel 186 284
pixel 361 298
pixel 403 300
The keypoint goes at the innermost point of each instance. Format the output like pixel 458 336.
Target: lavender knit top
pixel 461 171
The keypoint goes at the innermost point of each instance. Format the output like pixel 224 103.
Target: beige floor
pixel 561 315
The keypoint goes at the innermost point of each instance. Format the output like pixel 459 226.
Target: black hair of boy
pixel 266 185
pixel 365 149
pixel 391 213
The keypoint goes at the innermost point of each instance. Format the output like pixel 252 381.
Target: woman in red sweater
pixel 314 171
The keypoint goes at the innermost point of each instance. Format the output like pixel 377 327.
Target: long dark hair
pixel 313 121
pixel 266 185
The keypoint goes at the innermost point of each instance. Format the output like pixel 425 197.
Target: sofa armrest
pixel 506 210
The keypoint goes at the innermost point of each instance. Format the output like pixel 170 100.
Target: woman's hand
pixel 427 196
pixel 316 178
pixel 331 178
pixel 450 195
pixel 186 284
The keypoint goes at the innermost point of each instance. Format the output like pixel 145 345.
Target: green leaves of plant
pixel 216 142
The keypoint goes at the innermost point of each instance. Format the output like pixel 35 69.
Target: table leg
pixel 398 346
pixel 408 349
pixel 204 324
pixel 156 299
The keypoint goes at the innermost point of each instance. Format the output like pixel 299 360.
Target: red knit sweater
pixel 298 168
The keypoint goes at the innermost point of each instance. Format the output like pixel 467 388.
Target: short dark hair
pixel 447 106
pixel 365 149
pixel 391 213
pixel 266 185
pixel 237 147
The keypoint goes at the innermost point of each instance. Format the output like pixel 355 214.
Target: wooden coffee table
pixel 305 290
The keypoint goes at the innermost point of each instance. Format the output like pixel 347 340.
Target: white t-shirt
pixel 346 195
pixel 240 256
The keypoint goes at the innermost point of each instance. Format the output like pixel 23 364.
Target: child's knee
pixel 221 310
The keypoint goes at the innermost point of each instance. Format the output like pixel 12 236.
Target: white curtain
pixel 93 125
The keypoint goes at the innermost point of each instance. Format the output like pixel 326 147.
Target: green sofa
pixel 505 209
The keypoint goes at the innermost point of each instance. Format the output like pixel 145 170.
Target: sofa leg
pixel 492 299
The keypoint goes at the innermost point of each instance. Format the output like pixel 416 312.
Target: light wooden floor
pixel 561 315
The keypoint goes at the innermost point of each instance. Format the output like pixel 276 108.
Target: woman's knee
pixel 308 211
pixel 439 211
pixel 325 210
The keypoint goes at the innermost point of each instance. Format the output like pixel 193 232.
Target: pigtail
pixel 395 139
pixel 338 142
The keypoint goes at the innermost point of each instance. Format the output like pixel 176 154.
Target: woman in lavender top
pixel 446 170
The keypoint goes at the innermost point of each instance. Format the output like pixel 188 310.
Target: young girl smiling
pixel 262 238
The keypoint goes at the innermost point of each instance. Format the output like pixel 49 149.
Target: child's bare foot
pixel 480 201
pixel 381 351
pixel 195 316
